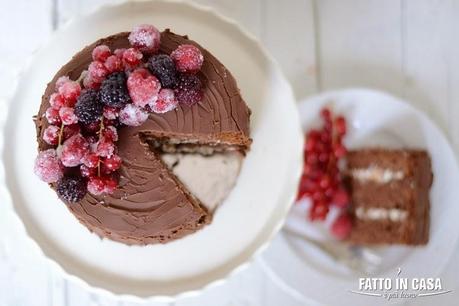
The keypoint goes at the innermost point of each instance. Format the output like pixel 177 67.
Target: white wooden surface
pixel 407 47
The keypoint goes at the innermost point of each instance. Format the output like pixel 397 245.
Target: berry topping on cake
pixel 146 38
pixel 70 130
pixel 113 64
pixel 163 67
pixel 111 112
pixel 56 100
pixel 132 57
pixel 61 81
pixel 342 226
pixel 187 58
pixel 143 87
pixel 70 91
pixel 101 53
pixel 188 91
pixel 105 147
pixel 113 162
pixel 166 102
pixel 48 166
pixel 71 189
pixel 89 108
pixel 52 115
pixel 73 150
pixel 51 135
pixel 67 115
pixel 133 115
pixel 113 91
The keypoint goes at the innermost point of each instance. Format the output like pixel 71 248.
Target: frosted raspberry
pixel 143 87
pixel 97 71
pixel 52 115
pixel 48 167
pixel 133 115
pixel 146 38
pixel 67 115
pixel 132 57
pixel 113 162
pixel 111 112
pixel 70 91
pixel 90 160
pixel 96 185
pixel 61 81
pixel 73 150
pixel 90 83
pixel 105 147
pixel 111 133
pixel 166 101
pixel 187 58
pixel 101 53
pixel 56 100
pixel 51 135
pixel 341 227
pixel 113 64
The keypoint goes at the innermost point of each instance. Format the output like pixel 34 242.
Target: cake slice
pixel 389 196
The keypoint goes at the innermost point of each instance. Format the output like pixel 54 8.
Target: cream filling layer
pixel 392 214
pixel 376 174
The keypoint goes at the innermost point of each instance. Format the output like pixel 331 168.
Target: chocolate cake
pixel 389 196
pixel 150 204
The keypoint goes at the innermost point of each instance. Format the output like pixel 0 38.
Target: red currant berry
pixel 87 171
pixel 132 57
pixel 187 58
pixel 96 185
pixel 145 37
pixel 51 135
pixel 113 162
pixel 70 91
pixel 97 71
pixel 73 150
pixel 56 100
pixel 113 64
pixel 48 167
pixel 68 116
pixel 101 53
pixel 90 160
pixel 52 115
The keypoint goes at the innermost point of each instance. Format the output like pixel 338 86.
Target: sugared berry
pixel 341 227
pixel 90 83
pixel 163 67
pixel 132 57
pixel 51 135
pixel 111 112
pixel 110 182
pixel 70 91
pixel 113 64
pixel 188 91
pixel 61 81
pixel 133 115
pixel 97 71
pixel 70 130
pixel 89 107
pixel 113 162
pixel 71 189
pixel 146 38
pixel 48 166
pixel 52 115
pixel 143 87
pixel 73 150
pixel 166 101
pixel 67 115
pixel 56 100
pixel 119 52
pixel 113 91
pixel 101 53
pixel 90 160
pixel 91 128
pixel 86 171
pixel 96 185
pixel 187 58
pixel 111 133
pixel 105 147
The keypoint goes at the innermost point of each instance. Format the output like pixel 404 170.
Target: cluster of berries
pixel 321 180
pixel 119 88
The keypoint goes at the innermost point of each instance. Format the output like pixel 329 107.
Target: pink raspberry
pixel 61 81
pixel 97 71
pixel 87 171
pixel 113 64
pixel 105 147
pixel 133 115
pixel 96 185
pixel 111 133
pixel 143 87
pixel 111 113
pixel 56 100
pixel 90 160
pixel 132 57
pixel 70 130
pixel 51 135
pixel 341 227
pixel 73 150
pixel 70 91
pixel 52 115
pixel 119 53
pixel 48 167
pixel 67 115
pixel 101 53
pixel 187 58
pixel 146 38
pixel 113 162
pixel 90 83
pixel 166 101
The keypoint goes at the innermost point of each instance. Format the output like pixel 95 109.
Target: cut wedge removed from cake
pixel 150 203
pixel 389 196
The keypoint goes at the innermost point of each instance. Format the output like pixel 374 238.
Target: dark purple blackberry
pixel 163 67
pixel 188 90
pixel 113 91
pixel 71 189
pixel 88 108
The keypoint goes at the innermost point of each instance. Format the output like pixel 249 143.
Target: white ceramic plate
pixel 248 219
pixel 374 118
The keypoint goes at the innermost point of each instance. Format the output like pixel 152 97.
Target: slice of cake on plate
pixel 389 196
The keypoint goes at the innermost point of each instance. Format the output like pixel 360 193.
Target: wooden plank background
pixel 409 48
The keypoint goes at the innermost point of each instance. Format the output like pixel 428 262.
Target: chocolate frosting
pixel 151 205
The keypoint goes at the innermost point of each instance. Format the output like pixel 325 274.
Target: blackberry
pixel 113 91
pixel 88 108
pixel 188 90
pixel 71 189
pixel 163 67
